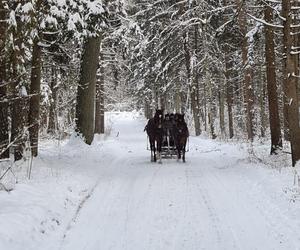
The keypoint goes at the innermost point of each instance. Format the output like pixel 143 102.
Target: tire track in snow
pixel 188 221
pixel 216 222
pixel 250 207
pixel 85 199
pixel 117 191
pixel 177 236
pixel 129 200
pixel 219 220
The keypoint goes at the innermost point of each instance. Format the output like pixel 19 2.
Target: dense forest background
pixel 232 66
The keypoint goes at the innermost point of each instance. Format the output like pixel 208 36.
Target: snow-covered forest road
pixel 214 201
pixel 110 196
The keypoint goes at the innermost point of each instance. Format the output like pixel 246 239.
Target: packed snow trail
pixel 214 201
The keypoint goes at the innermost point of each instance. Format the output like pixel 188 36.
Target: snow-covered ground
pixel 110 196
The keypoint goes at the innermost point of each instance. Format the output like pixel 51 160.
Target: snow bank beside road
pixel 38 210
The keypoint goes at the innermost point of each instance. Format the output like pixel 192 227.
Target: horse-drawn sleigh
pixel 168 135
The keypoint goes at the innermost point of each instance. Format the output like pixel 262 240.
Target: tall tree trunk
pixel 262 102
pixel 162 101
pixel 4 136
pixel 102 91
pixel 52 123
pixel 85 107
pixel 195 87
pixel 192 83
pixel 177 97
pixel 276 140
pixel 248 86
pixel 183 98
pixel 211 109
pixel 222 109
pixel 208 84
pixel 19 123
pixel 99 115
pixel 286 132
pixel 228 84
pixel 18 101
pixel 16 113
pixel 290 83
pixel 229 93
pixel 205 106
pixel 148 113
pixel 35 88
pixel 187 56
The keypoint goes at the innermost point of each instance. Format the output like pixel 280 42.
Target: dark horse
pixel 154 129
pixel 180 135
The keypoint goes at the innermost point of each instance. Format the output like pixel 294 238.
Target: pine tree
pixel 85 111
pixel 290 80
pixel 276 140
pixel 3 83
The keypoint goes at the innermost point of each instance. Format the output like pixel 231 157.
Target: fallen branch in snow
pixel 3 175
pixel 5 188
pixel 5 172
pixel 81 204
pixel 286 152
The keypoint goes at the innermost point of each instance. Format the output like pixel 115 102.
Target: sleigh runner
pixel 168 148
